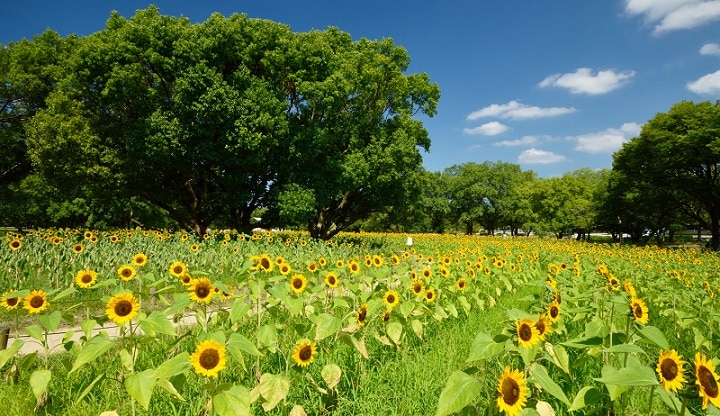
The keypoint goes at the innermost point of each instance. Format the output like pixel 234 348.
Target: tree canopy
pixel 212 121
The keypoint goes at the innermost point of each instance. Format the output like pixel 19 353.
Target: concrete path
pixel 57 339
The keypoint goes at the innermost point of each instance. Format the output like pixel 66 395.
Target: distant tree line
pixel 238 122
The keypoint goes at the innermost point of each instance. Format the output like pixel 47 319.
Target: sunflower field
pixel 149 322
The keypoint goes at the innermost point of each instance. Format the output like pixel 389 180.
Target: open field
pixel 364 324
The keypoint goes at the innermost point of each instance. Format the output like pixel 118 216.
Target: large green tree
pixel 212 121
pixel 29 72
pixel 676 159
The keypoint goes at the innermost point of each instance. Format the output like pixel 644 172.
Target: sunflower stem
pixel 683 406
pixel 627 339
pixel 652 392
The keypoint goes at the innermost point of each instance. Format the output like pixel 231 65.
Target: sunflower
pixel 186 278
pixel 139 260
pixel 553 311
pixel 126 273
pixel 194 247
pixel 528 335
pixel 178 268
pixel 629 288
pixel 362 315
pixel 298 283
pixel 10 301
pixel 418 287
pixel 201 290
pixel 331 280
pixel 88 235
pixel 265 263
pixel 461 284
pixel 15 244
pixel 426 273
pixel 430 295
pixel 36 301
pixel 285 268
pixel 542 325
pixel 354 267
pixel 386 317
pixel 706 380
pixel 122 308
pixel 78 248
pixel 670 370
pixel 304 353
pixel 639 310
pixel 312 267
pixel 86 278
pixel 391 299
pixel 208 358
pixel 513 392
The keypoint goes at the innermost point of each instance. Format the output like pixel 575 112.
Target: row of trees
pixel 158 122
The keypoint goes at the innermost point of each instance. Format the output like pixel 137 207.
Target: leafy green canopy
pixel 211 121
pixel 673 169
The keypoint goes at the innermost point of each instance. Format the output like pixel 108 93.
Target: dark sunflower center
pixel 297 283
pixel 461 284
pixel 202 291
pixel 362 314
pixel 638 311
pixel 305 353
pixel 525 332
pixel 209 358
pixel 265 264
pixel 708 382
pixel 331 280
pixel 11 301
pixel 540 325
pixel 37 301
pixel 554 312
pixel 391 298
pixel 669 369
pixel 386 317
pixel 123 308
pixel 417 288
pixel 178 269
pixel 86 278
pixel 429 295
pixel 186 279
pixel 15 244
pixel 510 391
pixel 127 272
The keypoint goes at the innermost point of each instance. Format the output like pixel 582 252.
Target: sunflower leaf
pixel 541 377
pixel 39 381
pixel 273 389
pixel 331 373
pixel 587 396
pixel 654 335
pixel 6 354
pixel 140 386
pixel 460 390
pixel 174 366
pixel 240 341
pixel 239 310
pixel 170 388
pixel 52 321
pixel 395 332
pixel 156 322
pixel 630 376
pixel 64 293
pixel 327 325
pixel 233 401
pixel 484 347
pixel 97 346
pixel 89 388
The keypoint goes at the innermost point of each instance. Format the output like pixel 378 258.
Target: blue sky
pixel 551 85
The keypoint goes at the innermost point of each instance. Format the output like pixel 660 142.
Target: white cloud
pixel 670 15
pixel 606 141
pixel 523 141
pixel 537 156
pixel 708 84
pixel 710 49
pixel 492 128
pixel 518 111
pixel 583 81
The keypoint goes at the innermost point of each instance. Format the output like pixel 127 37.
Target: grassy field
pixel 360 325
